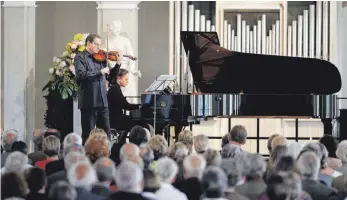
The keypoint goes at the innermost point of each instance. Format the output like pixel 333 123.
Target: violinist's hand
pixel 120 57
pixel 137 73
pixel 105 70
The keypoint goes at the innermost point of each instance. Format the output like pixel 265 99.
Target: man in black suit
pixel 117 102
pixel 92 99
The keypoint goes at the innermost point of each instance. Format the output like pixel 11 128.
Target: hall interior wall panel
pixel 307 128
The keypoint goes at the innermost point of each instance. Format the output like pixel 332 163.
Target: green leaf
pixel 65 94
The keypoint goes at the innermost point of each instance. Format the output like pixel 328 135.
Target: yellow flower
pixel 81 48
pixel 78 37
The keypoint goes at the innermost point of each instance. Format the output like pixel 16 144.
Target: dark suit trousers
pixel 90 117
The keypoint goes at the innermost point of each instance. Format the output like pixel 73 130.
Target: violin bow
pixel 107 35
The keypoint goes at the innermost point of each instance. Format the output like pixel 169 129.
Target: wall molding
pixel 121 5
pixel 19 4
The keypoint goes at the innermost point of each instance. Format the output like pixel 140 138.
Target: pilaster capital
pixel 122 5
pixel 19 4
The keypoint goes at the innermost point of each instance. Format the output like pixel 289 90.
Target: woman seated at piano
pixel 117 102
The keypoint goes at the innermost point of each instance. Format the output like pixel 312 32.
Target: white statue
pixel 122 44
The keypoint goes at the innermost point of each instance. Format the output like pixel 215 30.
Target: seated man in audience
pixel 331 143
pixel 238 135
pixel 131 152
pixel 193 168
pixel 214 183
pixel 82 176
pixel 16 162
pixel 233 169
pixel 151 184
pixel 62 190
pixel 70 159
pixel 129 180
pixel 309 165
pixel 167 169
pixel 70 140
pixel 7 139
pixel 106 171
pixel 36 180
pixel 230 151
pixel 254 167
pixel 212 157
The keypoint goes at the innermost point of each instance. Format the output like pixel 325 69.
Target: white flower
pixel 65 53
pixel 80 43
pixel 73 46
pixel 55 59
pixel 51 70
pixel 85 36
pixel 62 64
pixel 58 73
pixel 73 55
pixel 58 60
pixel 72 69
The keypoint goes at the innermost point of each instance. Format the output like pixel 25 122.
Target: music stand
pixel 161 83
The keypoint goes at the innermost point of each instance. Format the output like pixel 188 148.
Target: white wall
pixel 342 55
pixel 56 24
pixel 1 68
pixel 153 41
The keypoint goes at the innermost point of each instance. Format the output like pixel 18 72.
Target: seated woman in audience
pixel 159 146
pixel 178 151
pixel 16 162
pixel 7 139
pixel 341 153
pixel 277 153
pixel 97 146
pixel 331 143
pixel 13 185
pixel 51 148
pixel 186 137
pixel 36 180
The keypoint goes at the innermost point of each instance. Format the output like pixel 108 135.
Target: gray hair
pixel 277 153
pixel 166 169
pixel 341 151
pixel 214 182
pixel 105 169
pixel 62 190
pixel 320 150
pixel 213 157
pixel 309 165
pixel 285 184
pixel 201 143
pixel 178 151
pixel 8 138
pixel 230 151
pixel 147 155
pixel 194 166
pixel 73 148
pixel 38 138
pixel 233 169
pixel 129 177
pixel 82 174
pixel 254 165
pixel 159 146
pixel 73 158
pixel 238 134
pixel 294 149
pixel 51 145
pixel 72 138
pixel 148 134
pixel 16 161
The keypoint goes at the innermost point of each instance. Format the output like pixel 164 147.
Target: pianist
pixel 117 102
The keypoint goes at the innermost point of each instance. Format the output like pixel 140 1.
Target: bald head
pixel 194 166
pixel 129 151
pixel 82 175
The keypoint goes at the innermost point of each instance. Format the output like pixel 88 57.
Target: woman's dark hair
pixel 13 184
pixel 36 179
pixel 19 146
pixel 122 72
pixel 330 142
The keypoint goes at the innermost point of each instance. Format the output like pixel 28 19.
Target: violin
pixel 107 55
pixel 102 56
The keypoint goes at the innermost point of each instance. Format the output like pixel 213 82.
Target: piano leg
pixel 328 126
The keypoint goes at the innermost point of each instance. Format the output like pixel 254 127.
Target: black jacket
pixel 118 103
pixel 91 82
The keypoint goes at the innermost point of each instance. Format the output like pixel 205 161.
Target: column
pixel 19 67
pixel 127 13
pixel 342 51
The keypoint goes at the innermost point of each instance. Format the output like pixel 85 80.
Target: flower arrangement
pixel 63 71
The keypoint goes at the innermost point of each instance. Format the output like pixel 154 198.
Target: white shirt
pixel 169 192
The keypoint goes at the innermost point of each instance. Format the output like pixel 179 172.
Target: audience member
pixel 269 141
pixel 151 184
pixel 201 143
pixel 36 179
pixel 7 139
pixel 138 135
pixel 159 146
pixel 341 153
pixel 106 172
pixel 230 151
pixel 213 183
pixel 331 143
pixel 51 148
pixel 238 135
pixel 62 190
pixel 212 157
pixel 13 184
pixel 186 137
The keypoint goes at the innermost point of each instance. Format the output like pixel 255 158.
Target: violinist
pixel 92 93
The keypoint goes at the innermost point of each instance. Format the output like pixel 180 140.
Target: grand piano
pixel 234 84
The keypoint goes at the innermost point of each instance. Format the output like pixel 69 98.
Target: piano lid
pixel 219 70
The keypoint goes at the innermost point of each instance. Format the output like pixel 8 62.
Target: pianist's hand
pixel 137 73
